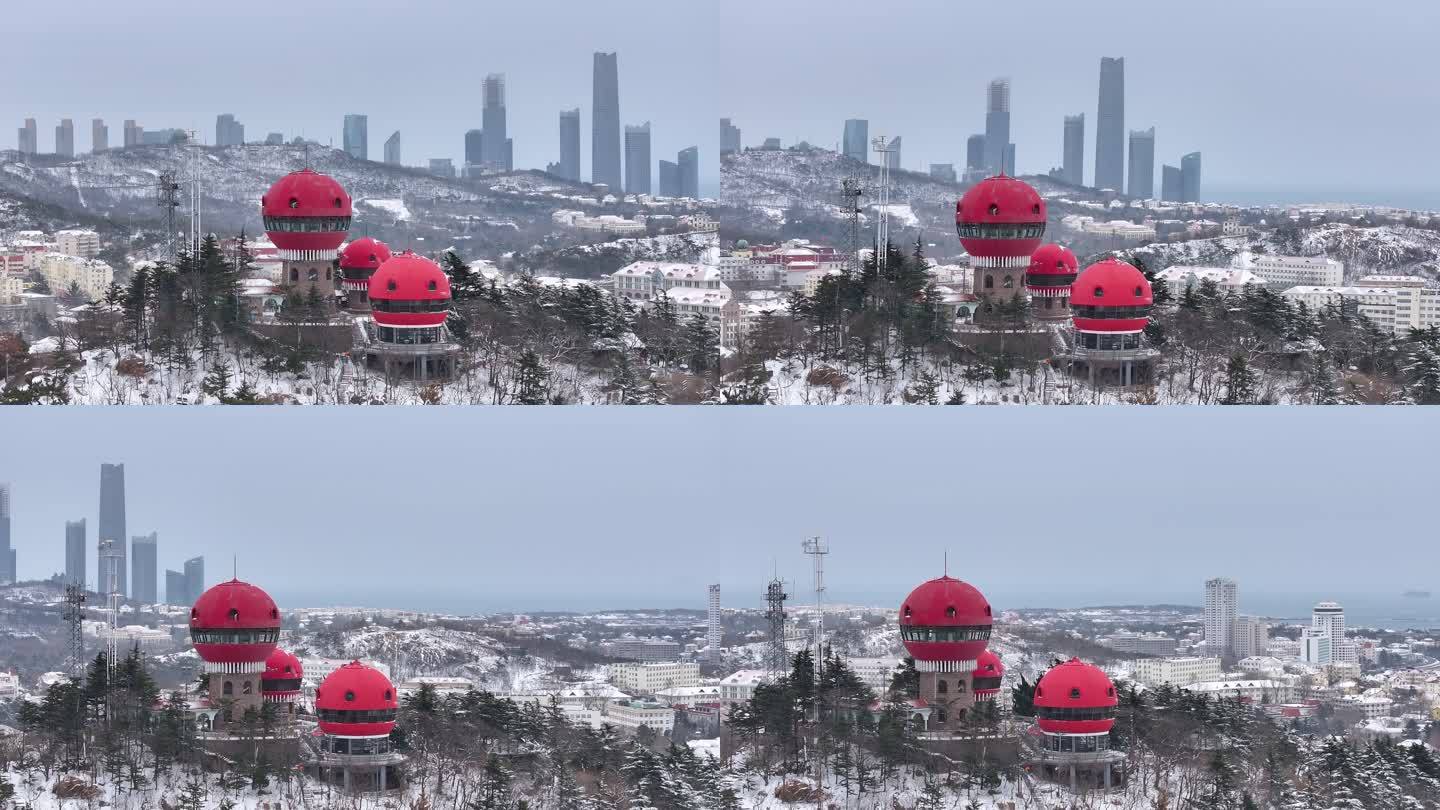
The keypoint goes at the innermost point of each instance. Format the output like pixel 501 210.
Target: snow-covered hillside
pixel 1385 249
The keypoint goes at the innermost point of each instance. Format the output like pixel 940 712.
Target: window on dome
pixel 294 202
pixel 1099 292
pixel 950 612
pixel 1074 693
pixel 1110 691
pixel 907 611
pixel 431 287
pixel 234 614
pixel 1035 209
pixel 390 285
pixel 1138 293
pixel 350 695
pixel 994 209
pixel 387 694
pixel 339 203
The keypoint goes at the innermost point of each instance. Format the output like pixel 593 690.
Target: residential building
pixel 134 133
pixel 497 145
pixel 1142 643
pixel 1291 271
pixel 975 153
pixel 1170 184
pixel 739 687
pixel 144 566
pixel 651 714
pixel 1142 164
pixel 356 136
pixel 649 677
pixel 570 145
pixel 876 673
pixel 997 125
pixel 229 131
pixel 685 697
pixel 91 276
pixel 856 142
pixel 643 649
pixel 177 590
pixel 1257 691
pixel 605 123
pixel 1316 647
pixel 392 149
pixel 687 164
pixel 1175 671
pixel 1221 603
pixel 729 137
pixel 99 135
pixel 8 567
pixel 82 243
pixel 1392 309
pixel 65 138
pixel 1110 126
pixel 637 159
pixel 29 142
pixel 195 577
pixel 1226 279
pixel 1251 637
pixel 1190 178
pixel 474 153
pixel 75 551
pixel 714 632
pixel 1073 168
pixel 669 185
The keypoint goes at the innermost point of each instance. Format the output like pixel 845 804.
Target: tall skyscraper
pixel 714 634
pixel 1142 163
pixel 570 144
pixel 688 166
pixel 474 150
pixel 1008 163
pixel 605 123
pixel 99 135
pixel 1074 166
pixel 228 131
pixel 1170 184
pixel 1329 618
pixel 75 551
pixel 1190 178
pixel 997 125
pixel 8 573
pixel 357 136
pixel 194 578
pixel 65 138
pixel 975 152
pixel 392 148
pixel 1221 606
pixel 144 562
pixel 729 137
pixel 134 133
pixel 637 159
pixel 1251 636
pixel 112 523
pixel 1110 125
pixel 496 152
pixel 669 179
pixel 29 142
pixel 857 139
pixel 177 590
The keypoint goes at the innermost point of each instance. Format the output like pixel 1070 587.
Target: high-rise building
pixel 1317 647
pixel 177 591
pixel 669 179
pixel 944 172
pixel 1221 607
pixel 392 148
pixel 1110 125
pixel 134 133
pixel 713 632
pixel 112 524
pixel 1250 637
pixel 637 159
pixel 1190 178
pixel 688 166
pixel 975 152
pixel 1008 165
pixel 997 125
pixel 228 131
pixel 495 151
pixel 570 145
pixel 145 567
pixel 857 139
pixel 1329 618
pixel 605 123
pixel 1142 163
pixel 195 577
pixel 729 137
pixel 29 142
pixel 75 551
pixel 8 571
pixel 357 136
pixel 1170 184
pixel 1074 166
pixel 99 135
pixel 474 150
pixel 274 139
pixel 65 138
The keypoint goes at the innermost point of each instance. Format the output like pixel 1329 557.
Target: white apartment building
pixel 10 287
pixel 1393 309
pixel 1329 618
pixel 1222 600
pixel 1390 281
pixel 1293 271
pixel 739 687
pixel 1253 691
pixel 640 281
pixel 651 677
pixel 1250 637
pixel 1315 647
pixel 440 683
pixel 9 686
pixel 1261 666
pixel 91 275
pixel 1175 671
pixel 1370 706
pixel 636 713
pixel 85 244
pixel 318 669
pixel 1142 643
pixel 1227 279
pixel 876 673
pixel 687 696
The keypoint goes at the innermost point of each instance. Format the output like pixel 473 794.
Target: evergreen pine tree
pixel 217 382
pixel 1240 382
pixel 531 380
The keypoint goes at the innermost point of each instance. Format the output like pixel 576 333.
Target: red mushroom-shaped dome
pixel 945 625
pixel 235 627
pixel 306 215
pixel 1052 270
pixel 367 253
pixel 989 670
pixel 1075 698
pixel 1000 217
pixel 356 700
pixel 281 679
pixel 1111 296
pixel 409 290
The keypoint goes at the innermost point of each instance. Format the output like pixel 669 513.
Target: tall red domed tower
pixel 409 303
pixel 945 625
pixel 358 262
pixel 1052 270
pixel 1110 302
pixel 1000 221
pixel 1074 713
pixel 356 706
pixel 280 682
pixel 235 627
pixel 307 215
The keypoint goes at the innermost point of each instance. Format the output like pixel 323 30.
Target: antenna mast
pixel 167 196
pixel 776 659
pixel 74 618
pixel 885 147
pixel 850 193
pixel 195 236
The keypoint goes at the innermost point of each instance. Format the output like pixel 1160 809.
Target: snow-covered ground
pixel 395 208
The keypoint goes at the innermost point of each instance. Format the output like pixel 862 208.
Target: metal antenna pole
pixel 885 147
pixel 775 658
pixel 74 618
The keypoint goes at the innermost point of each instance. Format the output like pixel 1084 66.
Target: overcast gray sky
pixel 524 508
pixel 1320 94
pixel 298 66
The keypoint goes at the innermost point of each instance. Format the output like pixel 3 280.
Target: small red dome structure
pixel 1111 297
pixel 1052 270
pixel 306 215
pixel 945 624
pixel 356 700
pixel 985 680
pixel 367 253
pixel 1075 698
pixel 1000 218
pixel 409 291
pixel 280 682
pixel 235 626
